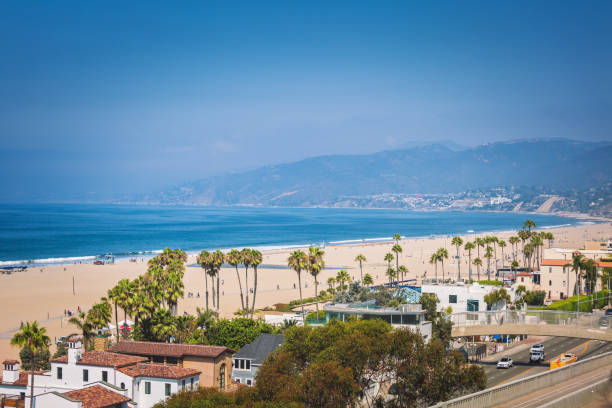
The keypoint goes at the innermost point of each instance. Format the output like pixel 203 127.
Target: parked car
pixel 537 347
pixel 609 312
pixel 505 362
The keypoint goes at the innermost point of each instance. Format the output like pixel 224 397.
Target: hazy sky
pixel 110 97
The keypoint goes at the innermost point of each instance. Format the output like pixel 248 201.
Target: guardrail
pixel 507 392
pixel 535 317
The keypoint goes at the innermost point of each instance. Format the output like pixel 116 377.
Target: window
pixel 123 386
pixel 549 283
pixel 472 305
pixel 236 363
pixel 452 298
pixel 248 364
pixel 238 380
pixel 222 377
pixel 158 359
pixel 248 382
pixel 147 387
pixel 172 360
pixel 561 295
pixel 85 375
pixel 242 364
pixel 59 373
pixel 105 376
pixel 167 390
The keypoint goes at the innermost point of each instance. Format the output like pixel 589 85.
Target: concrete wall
pixel 599 390
pixel 507 392
pixel 533 329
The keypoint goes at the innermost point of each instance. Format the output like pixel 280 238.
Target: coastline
pixel 122 257
pixel 43 293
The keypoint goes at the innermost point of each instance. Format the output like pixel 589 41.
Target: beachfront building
pixel 214 362
pixel 410 316
pixel 95 375
pixel 248 359
pixel 462 297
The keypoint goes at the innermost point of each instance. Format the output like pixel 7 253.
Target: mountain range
pixel 434 168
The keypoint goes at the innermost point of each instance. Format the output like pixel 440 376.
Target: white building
pixel 462 297
pixel 101 373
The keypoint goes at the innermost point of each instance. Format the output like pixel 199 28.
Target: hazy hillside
pixel 326 180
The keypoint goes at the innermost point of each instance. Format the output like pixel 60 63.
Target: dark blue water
pixel 50 233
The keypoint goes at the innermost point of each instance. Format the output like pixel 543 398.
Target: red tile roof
pixel 97 396
pixel 10 362
pixel 159 371
pixel 103 359
pixel 22 381
pixel 523 274
pixel 145 348
pixel 555 262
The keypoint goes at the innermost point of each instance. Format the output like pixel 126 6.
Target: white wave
pixel 45 261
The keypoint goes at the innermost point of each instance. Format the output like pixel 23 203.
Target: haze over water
pixel 51 233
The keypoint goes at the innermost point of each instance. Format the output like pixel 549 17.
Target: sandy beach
pixel 44 293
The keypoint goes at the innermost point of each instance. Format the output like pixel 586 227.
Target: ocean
pixel 40 234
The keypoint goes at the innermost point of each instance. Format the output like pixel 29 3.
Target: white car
pixel 537 348
pixel 505 362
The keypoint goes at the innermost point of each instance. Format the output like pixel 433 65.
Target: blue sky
pixel 108 97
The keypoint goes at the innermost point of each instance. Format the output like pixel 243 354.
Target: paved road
pixel 553 348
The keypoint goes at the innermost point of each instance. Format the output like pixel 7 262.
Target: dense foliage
pixel 347 364
pixel 440 324
pixel 39 361
pixel 587 302
pixel 236 333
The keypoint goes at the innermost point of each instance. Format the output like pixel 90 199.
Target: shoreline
pixel 44 293
pixel 125 257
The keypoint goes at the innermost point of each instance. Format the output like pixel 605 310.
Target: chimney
pixel 75 347
pixel 10 371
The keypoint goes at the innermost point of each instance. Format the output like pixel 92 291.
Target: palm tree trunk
pixel 240 285
pixel 124 323
pixel 206 281
pixel 436 264
pixel 254 289
pixel 301 302
pixel 458 265
pixel 470 265
pixel 214 301
pixel 478 268
pixel 443 276
pixel 245 313
pixel 361 272
pixel 218 292
pixel 117 322
pixel 397 266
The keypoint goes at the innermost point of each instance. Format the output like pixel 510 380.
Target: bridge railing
pixel 535 317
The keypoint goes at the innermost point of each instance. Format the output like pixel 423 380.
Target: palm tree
pixel 478 263
pixel 298 261
pixel 397 249
pixel 331 281
pixel 469 246
pixel 433 259
pixel 502 245
pixel 256 260
pixel 342 277
pixel 575 265
pixel 165 326
pixel 537 243
pixel 494 240
pixel 397 237
pixel 479 242
pixel 514 240
pixel 246 261
pixel 403 270
pixel 367 279
pixel 125 294
pixel 550 237
pixel 113 295
pixel 234 258
pixel 315 265
pixel 489 254
pixel 457 242
pixel 389 258
pixel 442 254
pixel 85 326
pixel 217 263
pixel 529 224
pixel 514 265
pixel 361 258
pixel 100 315
pixel 35 339
pixel 391 274
pixel 524 236
pixel 204 263
pixel 528 251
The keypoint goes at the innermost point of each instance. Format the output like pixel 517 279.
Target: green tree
pixel 246 261
pixel 514 240
pixel 85 326
pixel 342 278
pixel 234 258
pixel 397 249
pixel 502 245
pixel 391 274
pixel 35 339
pixel 236 333
pixel 457 242
pixel 361 259
pixel 496 298
pixel 389 258
pixel 367 279
pixel 204 261
pixel 529 224
pixel 298 261
pixel 433 260
pixel 315 265
pixel 575 265
pixel 124 298
pixel 256 260
pixel 100 315
pixel 477 263
pixel 40 359
pixel 397 238
pixel 489 254
pixel 442 254
pixel 469 247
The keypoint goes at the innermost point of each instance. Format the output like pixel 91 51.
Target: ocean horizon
pixel 43 234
